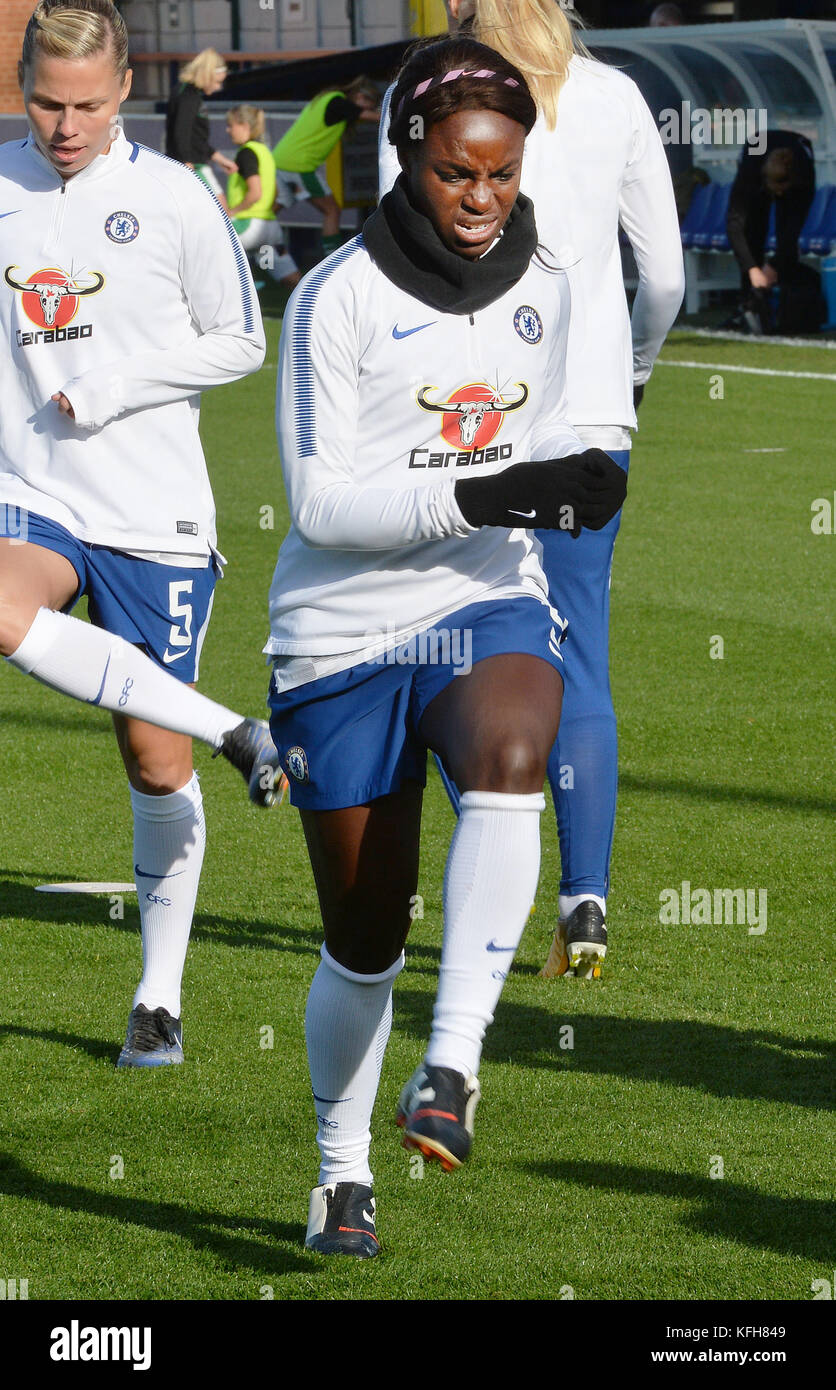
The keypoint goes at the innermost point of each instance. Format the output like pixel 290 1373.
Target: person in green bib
pixel 251 195
pixel 308 143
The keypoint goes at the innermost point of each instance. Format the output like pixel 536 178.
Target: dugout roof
pixel 786 67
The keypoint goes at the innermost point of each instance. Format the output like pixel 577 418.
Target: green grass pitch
pixel 680 1147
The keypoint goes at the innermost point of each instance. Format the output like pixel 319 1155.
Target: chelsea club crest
pixel 296 761
pixel 528 324
pixel 122 227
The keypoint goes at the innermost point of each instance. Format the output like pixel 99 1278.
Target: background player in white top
pixel 421 377
pixel 123 292
pixel 594 160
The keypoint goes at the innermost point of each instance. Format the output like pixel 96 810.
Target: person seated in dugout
pixel 782 175
pixel 409 608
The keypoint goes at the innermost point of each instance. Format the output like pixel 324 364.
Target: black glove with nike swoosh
pixel 553 495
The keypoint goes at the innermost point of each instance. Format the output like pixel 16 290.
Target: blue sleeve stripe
pixel 244 282
pixel 243 275
pixel 304 399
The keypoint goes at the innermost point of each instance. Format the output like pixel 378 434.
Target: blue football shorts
pixel 162 608
pixel 353 736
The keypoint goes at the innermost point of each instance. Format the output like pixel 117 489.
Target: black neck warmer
pixel 407 248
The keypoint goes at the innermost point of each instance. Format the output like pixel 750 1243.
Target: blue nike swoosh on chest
pixel 10 214
pixel 407 332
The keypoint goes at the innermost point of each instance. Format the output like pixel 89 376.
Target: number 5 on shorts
pixel 180 634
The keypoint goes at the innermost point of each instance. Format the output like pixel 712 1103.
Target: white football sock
pixel 569 901
pixel 93 665
pixel 347 1025
pixel 489 887
pixel 169 840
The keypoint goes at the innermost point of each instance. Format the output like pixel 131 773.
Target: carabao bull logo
pixel 50 297
pixel 472 414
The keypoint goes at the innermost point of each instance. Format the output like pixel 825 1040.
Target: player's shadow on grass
pixel 787 1225
pixel 704 791
pixel 19 899
pixel 102 1049
pixel 54 722
pixel 727 1062
pixel 214 1231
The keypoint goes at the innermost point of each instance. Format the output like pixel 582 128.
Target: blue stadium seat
pixel 717 198
pixel 819 234
pixel 695 215
pixel 819 229
pixel 814 217
pixel 720 209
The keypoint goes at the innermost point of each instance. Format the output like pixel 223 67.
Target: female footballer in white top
pixel 123 293
pixel 421 422
pixel 593 161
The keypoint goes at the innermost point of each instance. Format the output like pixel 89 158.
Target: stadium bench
pixel 709 264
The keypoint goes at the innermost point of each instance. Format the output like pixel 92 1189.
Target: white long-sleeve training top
pixel 604 162
pixel 126 288
pixel 383 403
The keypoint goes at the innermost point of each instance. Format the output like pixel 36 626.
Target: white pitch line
pixel 753 340
pixel 749 371
pixel 85 888
pixel 764 451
